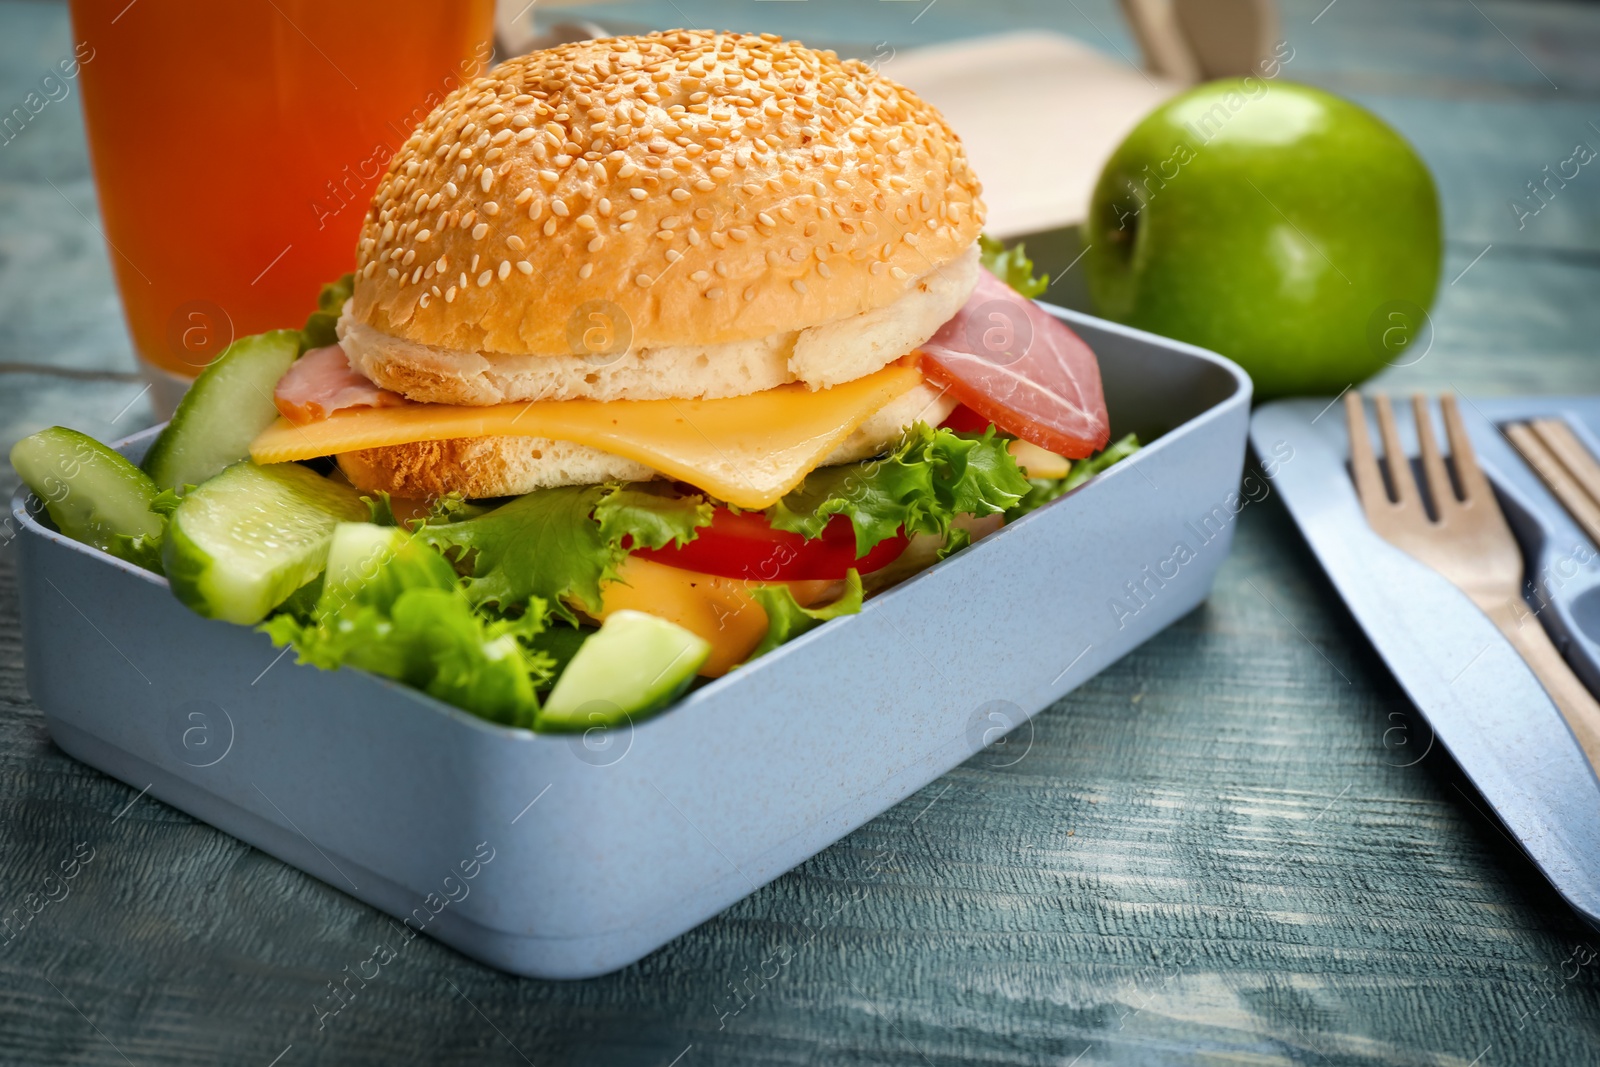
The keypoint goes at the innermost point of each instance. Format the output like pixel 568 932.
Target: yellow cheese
pixel 747 450
pixel 1037 462
pixel 721 610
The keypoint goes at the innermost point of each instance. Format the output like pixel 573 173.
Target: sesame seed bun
pixel 819 356
pixel 714 188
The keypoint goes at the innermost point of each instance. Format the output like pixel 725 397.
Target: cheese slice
pixel 747 450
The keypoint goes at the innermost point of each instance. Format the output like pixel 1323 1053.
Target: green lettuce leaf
pixel 1011 266
pixel 561 544
pixel 382 508
pixel 651 514
pixel 1044 490
pixel 452 507
pixel 318 331
pixel 786 619
pixel 403 615
pixel 932 476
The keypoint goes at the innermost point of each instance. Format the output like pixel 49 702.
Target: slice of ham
pixel 1022 369
pixel 322 382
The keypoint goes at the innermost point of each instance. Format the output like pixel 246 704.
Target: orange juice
pixel 235 145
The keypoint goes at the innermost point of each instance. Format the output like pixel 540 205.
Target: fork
pixel 1468 541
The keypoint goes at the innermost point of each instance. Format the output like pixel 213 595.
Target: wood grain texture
pixel 1236 845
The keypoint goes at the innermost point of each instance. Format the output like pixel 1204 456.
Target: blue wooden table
pixel 1235 846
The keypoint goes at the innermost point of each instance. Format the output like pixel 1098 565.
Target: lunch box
pixel 566 856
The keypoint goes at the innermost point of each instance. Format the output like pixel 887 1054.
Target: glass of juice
pixel 235 146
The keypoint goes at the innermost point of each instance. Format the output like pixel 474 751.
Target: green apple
pixel 1279 225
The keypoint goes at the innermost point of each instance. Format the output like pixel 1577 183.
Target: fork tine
pixel 1363 464
pixel 1394 456
pixel 1474 486
pixel 1439 488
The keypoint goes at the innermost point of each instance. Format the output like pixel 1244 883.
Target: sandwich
pixel 691 327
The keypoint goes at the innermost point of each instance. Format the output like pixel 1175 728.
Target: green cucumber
pixel 374 564
pixel 92 493
pixel 633 665
pixel 243 541
pixel 223 411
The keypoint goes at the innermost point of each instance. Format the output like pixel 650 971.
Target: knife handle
pixel 1570 695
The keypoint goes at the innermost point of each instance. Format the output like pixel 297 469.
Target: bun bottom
pixel 484 467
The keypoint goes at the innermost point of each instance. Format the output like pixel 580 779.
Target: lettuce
pixel 786 619
pixel 318 331
pixel 401 614
pixel 560 545
pixel 932 476
pixel 1045 490
pixel 1012 266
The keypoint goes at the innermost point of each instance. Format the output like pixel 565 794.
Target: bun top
pixel 693 187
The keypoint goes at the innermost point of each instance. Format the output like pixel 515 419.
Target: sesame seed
pixel 644 281
pixel 424 235
pixel 586 270
pixel 450 190
pixel 558 207
pixel 799 286
pixel 422 301
pixel 515 243
pixel 714 292
pixel 491 209
pixel 485 278
pixel 480 231
pixel 637 193
pixel 765 219
pixel 505 269
pixel 549 227
pixel 596 244
pixel 524 266
pixel 824 271
pixel 450 295
pixel 680 194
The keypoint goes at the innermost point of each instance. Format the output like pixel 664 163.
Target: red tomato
pixel 964 420
pixel 742 545
pixel 1021 368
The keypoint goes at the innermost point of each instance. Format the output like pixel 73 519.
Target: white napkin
pixel 1039 114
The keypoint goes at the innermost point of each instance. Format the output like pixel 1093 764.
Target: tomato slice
pixel 964 420
pixel 1024 370
pixel 743 545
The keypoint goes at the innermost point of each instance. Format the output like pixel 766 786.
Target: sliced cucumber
pixel 93 494
pixel 374 564
pixel 635 664
pixel 243 541
pixel 223 411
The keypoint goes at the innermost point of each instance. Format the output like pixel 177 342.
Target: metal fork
pixel 1468 542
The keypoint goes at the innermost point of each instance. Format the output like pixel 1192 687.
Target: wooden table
pixel 1229 847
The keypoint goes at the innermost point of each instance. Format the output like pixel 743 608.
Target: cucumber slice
pixel 242 542
pixel 374 564
pixel 635 664
pixel 223 411
pixel 93 494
